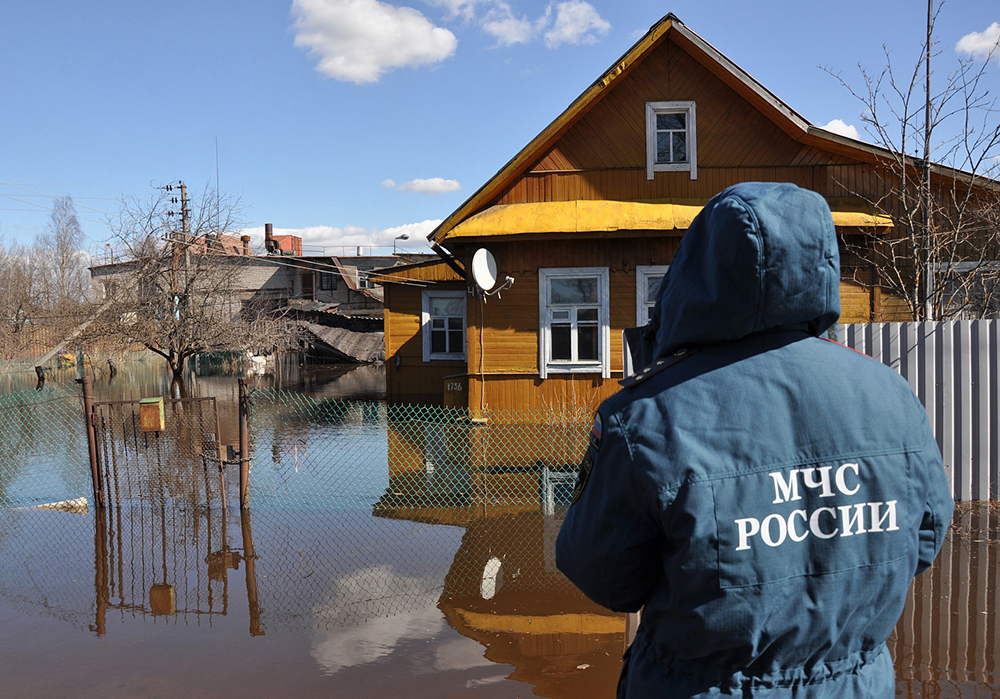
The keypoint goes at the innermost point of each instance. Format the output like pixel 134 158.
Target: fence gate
pixel 151 451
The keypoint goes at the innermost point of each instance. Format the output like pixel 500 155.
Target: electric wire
pixel 51 196
pixel 49 208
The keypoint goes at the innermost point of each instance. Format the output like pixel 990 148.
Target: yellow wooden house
pixel 586 218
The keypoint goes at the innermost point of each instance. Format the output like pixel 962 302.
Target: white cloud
pixel 433 185
pixel 577 22
pixel 334 240
pixel 981 44
pixel 501 23
pixel 838 126
pixel 466 9
pixel 361 40
pixel 389 184
pixel 360 595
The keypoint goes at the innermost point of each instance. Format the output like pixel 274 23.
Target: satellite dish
pixel 484 269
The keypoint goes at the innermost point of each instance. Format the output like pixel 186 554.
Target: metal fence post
pixel 88 409
pixel 244 446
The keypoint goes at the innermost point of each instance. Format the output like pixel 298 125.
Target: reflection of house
pixel 586 218
pixel 503 590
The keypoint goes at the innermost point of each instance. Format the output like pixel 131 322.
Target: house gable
pixel 596 148
pixel 732 132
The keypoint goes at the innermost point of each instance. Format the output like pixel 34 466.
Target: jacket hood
pixel 760 256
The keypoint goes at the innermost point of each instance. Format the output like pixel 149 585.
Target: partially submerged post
pixel 250 560
pixel 244 446
pixel 88 409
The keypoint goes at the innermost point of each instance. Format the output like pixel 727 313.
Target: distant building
pixel 338 309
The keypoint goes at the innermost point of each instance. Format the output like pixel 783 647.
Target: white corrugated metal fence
pixel 953 368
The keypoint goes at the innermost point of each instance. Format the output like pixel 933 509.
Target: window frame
pixel 642 273
pixel 327 281
pixel 603 363
pixel 674 107
pixel 425 324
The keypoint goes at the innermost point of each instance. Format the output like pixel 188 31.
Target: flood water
pixel 321 589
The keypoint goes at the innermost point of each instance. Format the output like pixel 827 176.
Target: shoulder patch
pixel 586 466
pixel 656 367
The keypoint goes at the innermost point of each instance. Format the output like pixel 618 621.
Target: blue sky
pixel 353 121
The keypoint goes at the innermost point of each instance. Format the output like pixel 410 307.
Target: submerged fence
pixel 954 368
pixel 43 446
pixel 362 510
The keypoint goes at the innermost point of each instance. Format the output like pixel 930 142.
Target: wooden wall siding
pixel 510 330
pixel 568 394
pixel 731 131
pixel 414 381
pixel 439 271
pixel 632 185
pixel 855 303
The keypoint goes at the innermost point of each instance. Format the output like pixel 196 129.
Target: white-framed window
pixel 671 139
pixel 442 323
pixel 574 333
pixel 647 284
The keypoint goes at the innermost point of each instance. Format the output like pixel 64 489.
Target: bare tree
pixel 937 166
pixel 20 297
pixel 179 288
pixel 63 261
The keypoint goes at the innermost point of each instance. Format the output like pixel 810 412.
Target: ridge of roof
pixel 787 118
pixel 596 90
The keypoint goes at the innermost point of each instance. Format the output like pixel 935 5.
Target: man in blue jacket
pixel 764 495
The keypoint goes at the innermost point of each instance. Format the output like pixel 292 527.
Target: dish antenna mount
pixel 484 273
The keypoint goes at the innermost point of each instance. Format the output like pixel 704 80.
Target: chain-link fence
pixel 428 503
pixel 366 521
pixel 177 457
pixel 413 462
pixel 359 510
pixel 43 446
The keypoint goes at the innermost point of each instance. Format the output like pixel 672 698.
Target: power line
pixel 81 186
pixel 49 208
pixel 57 198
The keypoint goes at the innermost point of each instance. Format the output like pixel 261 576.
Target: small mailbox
pixel 151 415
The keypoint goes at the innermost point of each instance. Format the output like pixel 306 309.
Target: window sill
pixel 574 368
pixel 445 358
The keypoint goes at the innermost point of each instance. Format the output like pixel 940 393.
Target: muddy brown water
pixel 310 594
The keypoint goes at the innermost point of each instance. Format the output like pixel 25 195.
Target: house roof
pixel 420 273
pixel 605 216
pixel 780 113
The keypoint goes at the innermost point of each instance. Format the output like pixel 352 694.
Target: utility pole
pixel 179 243
pixel 186 226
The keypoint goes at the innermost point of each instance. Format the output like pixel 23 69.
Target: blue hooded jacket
pixel 764 495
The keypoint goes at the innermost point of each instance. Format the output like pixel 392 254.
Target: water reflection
pixel 368 590
pixel 946 643
pixel 155 561
pixel 392 557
